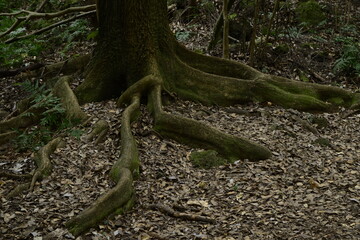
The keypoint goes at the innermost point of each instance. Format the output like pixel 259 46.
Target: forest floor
pixel 308 189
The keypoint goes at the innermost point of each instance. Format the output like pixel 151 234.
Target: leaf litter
pixel 304 191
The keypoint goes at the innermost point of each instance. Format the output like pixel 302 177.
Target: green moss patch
pixel 310 12
pixel 207 159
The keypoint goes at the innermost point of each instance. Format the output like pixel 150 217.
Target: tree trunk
pixel 133 34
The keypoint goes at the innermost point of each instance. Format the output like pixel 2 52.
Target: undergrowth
pixel 349 61
pixel 52 119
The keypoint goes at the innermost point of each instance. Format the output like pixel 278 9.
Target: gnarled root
pixel 121 197
pixel 199 78
pixel 197 134
pixel 225 82
pixel 42 160
pixel 68 99
pixel 99 131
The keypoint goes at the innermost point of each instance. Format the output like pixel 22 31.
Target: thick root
pixel 129 158
pixel 197 134
pixel 117 200
pixel 227 82
pixel 121 197
pixel 33 114
pixel 25 119
pixel 141 86
pixel 68 99
pixel 42 160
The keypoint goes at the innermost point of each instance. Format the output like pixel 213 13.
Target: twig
pixel 14 72
pixel 171 212
pixel 14 39
pixel 36 15
pixel 38 9
pixel 11 175
pixel 307 125
pixel 156 236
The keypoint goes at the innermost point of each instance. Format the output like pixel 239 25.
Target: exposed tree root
pixel 42 160
pixel 99 131
pixel 198 134
pixel 240 83
pixel 199 78
pixel 25 119
pixel 171 212
pixel 121 197
pixel 68 99
pixel 32 115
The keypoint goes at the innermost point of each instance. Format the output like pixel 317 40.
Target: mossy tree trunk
pixel 137 57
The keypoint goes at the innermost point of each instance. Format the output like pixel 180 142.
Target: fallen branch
pixel 172 213
pixel 14 72
pixel 36 15
pixel 17 38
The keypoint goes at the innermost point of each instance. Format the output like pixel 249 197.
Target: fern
pixel 52 116
pixel 349 61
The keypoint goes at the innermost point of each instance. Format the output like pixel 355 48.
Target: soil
pixel 308 189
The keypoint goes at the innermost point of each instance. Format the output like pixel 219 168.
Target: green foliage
pixel 310 13
pixel 92 35
pixel 14 54
pixel 44 99
pixel 70 35
pixel 208 5
pixel 182 36
pixel 76 133
pixel 33 138
pixel 51 119
pixel 349 61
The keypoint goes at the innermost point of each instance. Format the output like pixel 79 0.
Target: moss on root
pixel 198 134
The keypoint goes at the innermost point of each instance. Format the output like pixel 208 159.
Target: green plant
pixel 52 117
pixel 14 54
pixel 76 133
pixel 182 35
pixel 310 13
pixel 349 61
pixel 32 138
